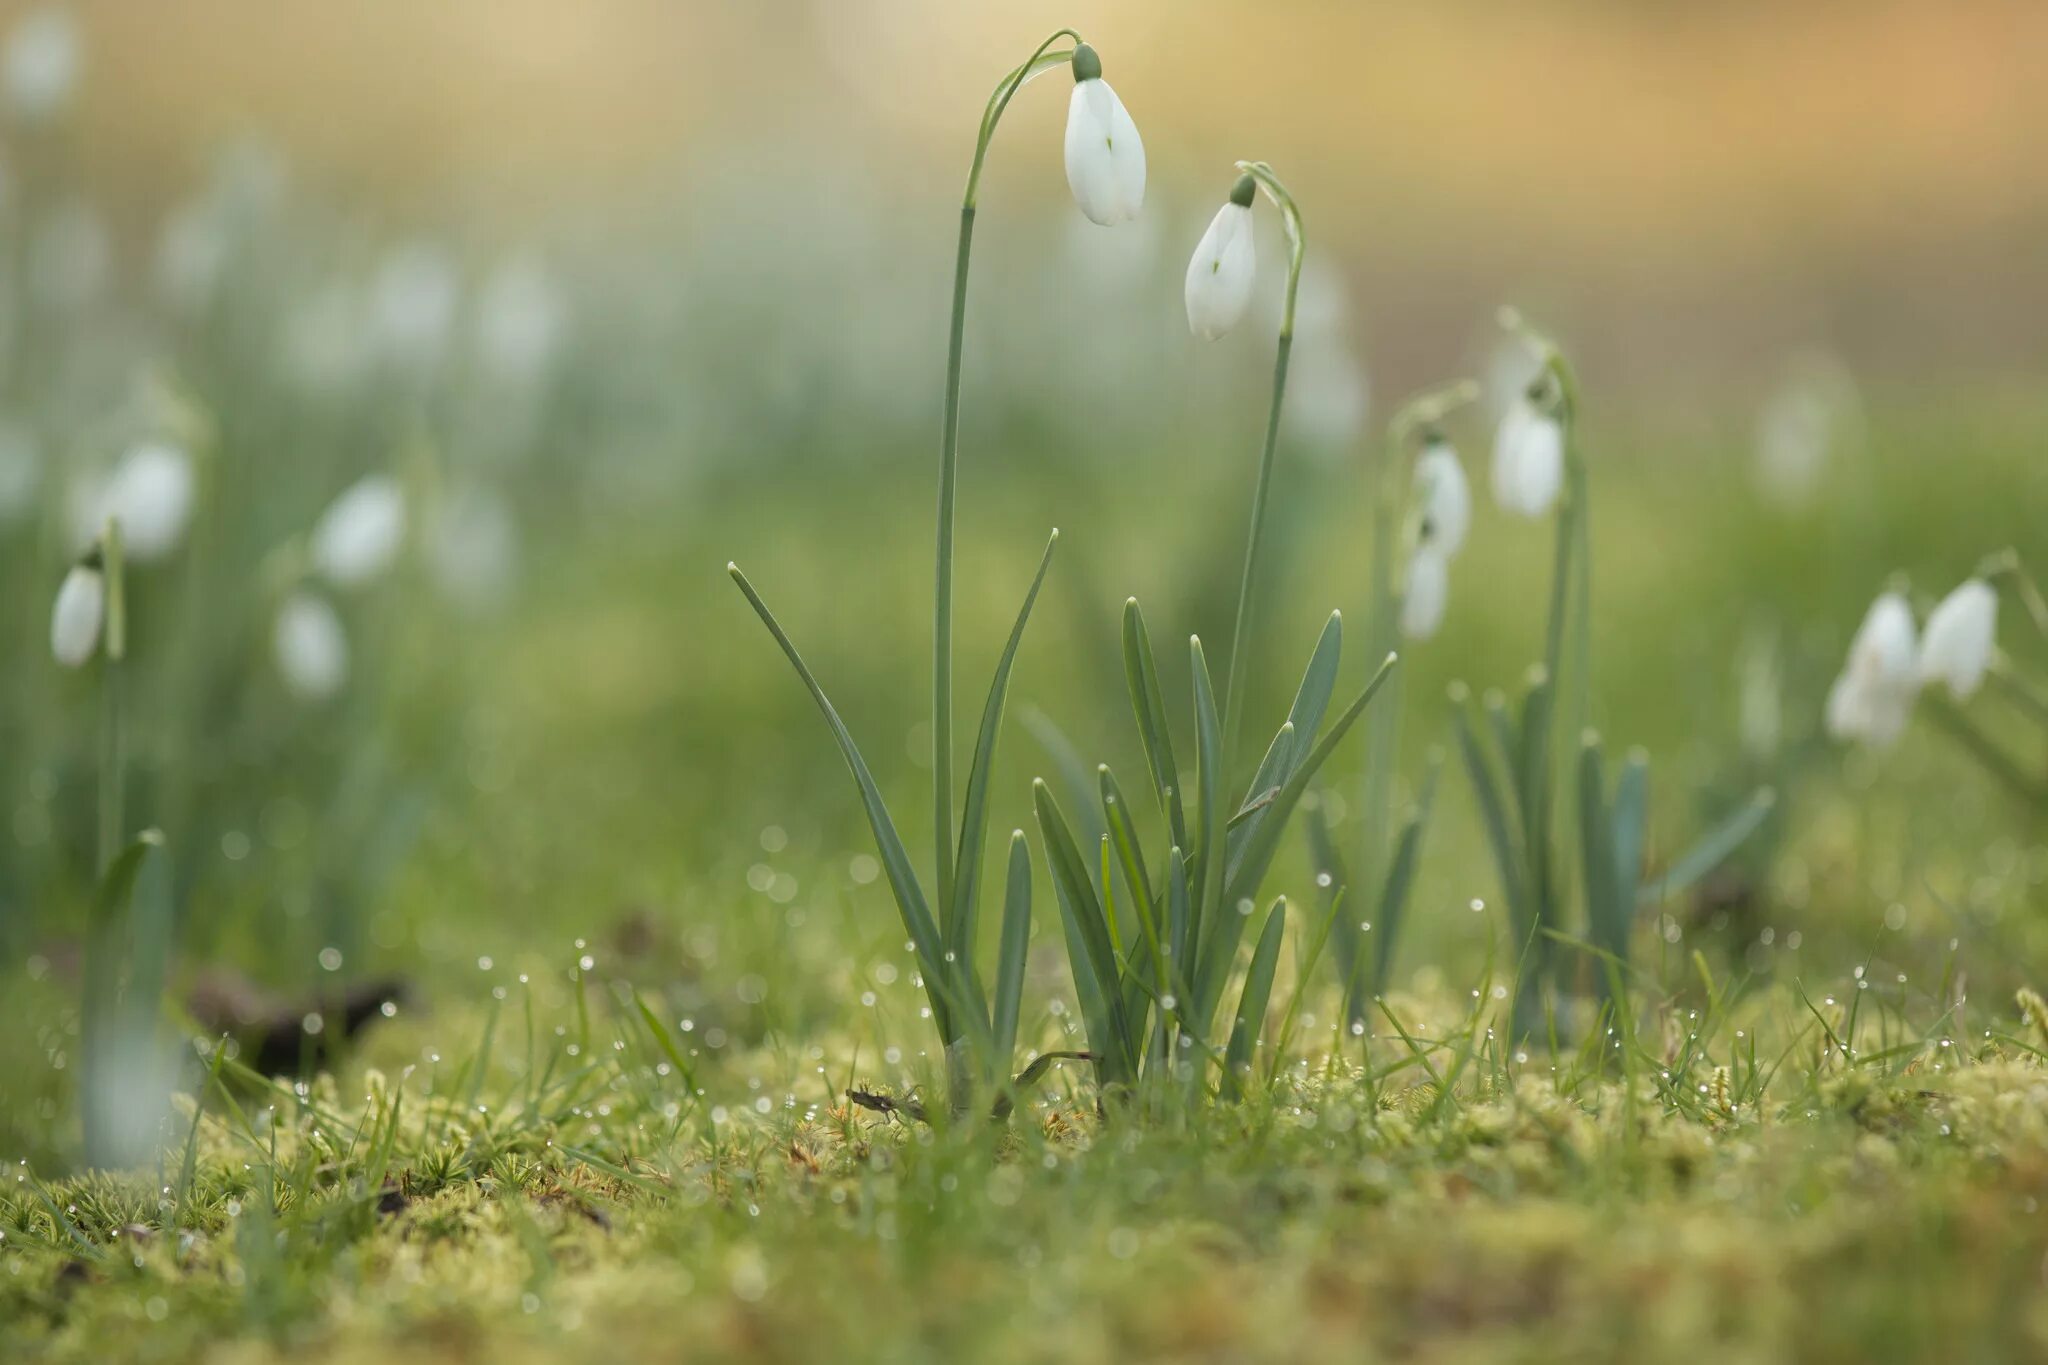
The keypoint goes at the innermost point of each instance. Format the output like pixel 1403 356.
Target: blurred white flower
pixel 412 303
pixel 1220 273
pixel 474 549
pixel 520 319
pixel 41 66
pixel 1443 497
pixel 359 534
pixel 150 493
pixel 1105 155
pixel 1873 698
pixel 1956 646
pixel 311 647
pixel 191 254
pixel 1528 459
pixel 21 471
pixel 76 618
pixel 1428 591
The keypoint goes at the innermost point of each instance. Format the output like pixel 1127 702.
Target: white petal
pixel 1873 698
pixel 1956 648
pixel 1220 273
pixel 76 619
pixel 1429 590
pixel 1105 155
pixel 1444 497
pixel 359 534
pixel 151 496
pixel 311 647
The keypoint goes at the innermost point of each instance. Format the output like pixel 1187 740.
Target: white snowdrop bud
pixel 150 494
pixel 41 66
pixel 1220 273
pixel 1105 155
pixel 1444 497
pixel 1528 459
pixel 311 647
pixel 359 534
pixel 80 612
pixel 1956 647
pixel 1429 591
pixel 1873 697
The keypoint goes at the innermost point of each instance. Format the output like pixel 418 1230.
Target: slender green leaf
pixel 1097 974
pixel 1014 948
pixel 1149 704
pixel 1605 920
pixel 1208 876
pixel 960 927
pixel 1712 849
pixel 1400 880
pixel 1304 717
pixel 1253 999
pixel 1631 823
pixel 1501 836
pixel 917 917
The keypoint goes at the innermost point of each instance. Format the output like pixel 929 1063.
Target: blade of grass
pixel 1149 704
pixel 1253 999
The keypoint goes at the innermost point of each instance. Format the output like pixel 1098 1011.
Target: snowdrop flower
pixel 41 66
pixel 1873 697
pixel 1429 590
pixel 1956 648
pixel 1105 155
pixel 1528 457
pixel 80 611
pixel 1443 495
pixel 1219 283
pixel 151 495
pixel 311 647
pixel 359 534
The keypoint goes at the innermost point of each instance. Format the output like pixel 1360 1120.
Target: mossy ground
pixel 1724 1182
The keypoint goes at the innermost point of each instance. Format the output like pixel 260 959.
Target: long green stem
pixel 1043 59
pixel 97 1015
pixel 1240 636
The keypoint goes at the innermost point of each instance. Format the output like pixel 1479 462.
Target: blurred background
pixel 612 293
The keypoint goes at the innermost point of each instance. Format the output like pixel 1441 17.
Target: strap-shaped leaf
pixel 917 917
pixel 1253 999
pixel 1631 823
pixel 1088 930
pixel 1712 849
pixel 1149 704
pixel 1212 810
pixel 960 926
pixel 1260 851
pixel 1305 716
pixel 1607 923
pixel 1074 775
pixel 1393 906
pixel 1265 843
pixel 1501 836
pixel 1013 949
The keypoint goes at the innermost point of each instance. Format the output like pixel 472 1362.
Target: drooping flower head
pixel 1105 155
pixel 79 614
pixel 40 69
pixel 311 647
pixel 1961 632
pixel 1443 498
pixel 1220 274
pixel 1528 455
pixel 1873 697
pixel 150 493
pixel 359 534
pixel 1427 592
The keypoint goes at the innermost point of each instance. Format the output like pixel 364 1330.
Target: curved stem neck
pixel 1041 60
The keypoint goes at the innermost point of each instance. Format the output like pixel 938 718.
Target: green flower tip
pixel 1244 191
pixel 1087 66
